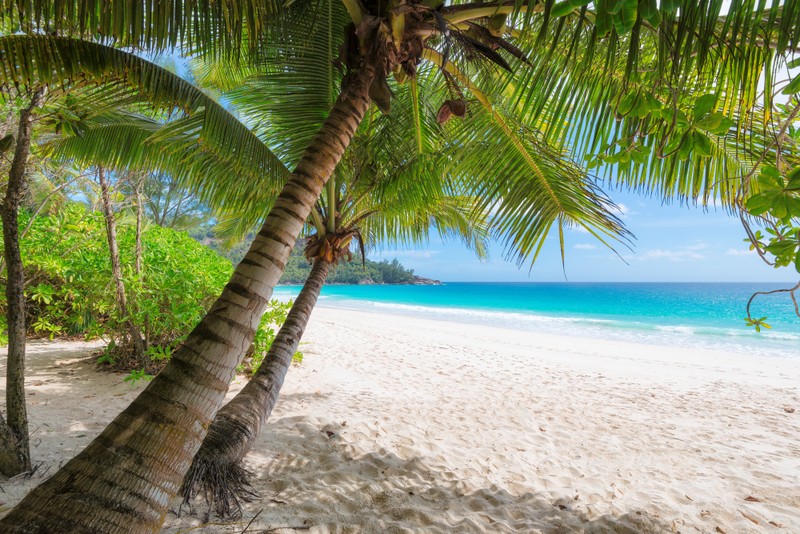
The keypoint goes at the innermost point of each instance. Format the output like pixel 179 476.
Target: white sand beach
pixel 399 424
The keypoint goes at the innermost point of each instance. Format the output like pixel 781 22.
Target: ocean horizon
pixel 707 315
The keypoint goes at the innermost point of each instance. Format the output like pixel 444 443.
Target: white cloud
pixel 738 252
pixel 585 246
pixel 623 211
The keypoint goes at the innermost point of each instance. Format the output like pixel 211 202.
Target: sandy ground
pixel 398 424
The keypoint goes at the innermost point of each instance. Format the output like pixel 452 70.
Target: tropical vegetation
pixel 353 272
pixel 69 289
pixel 666 95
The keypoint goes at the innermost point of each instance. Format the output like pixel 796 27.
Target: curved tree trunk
pixel 116 268
pixel 123 481
pixel 215 469
pixel 15 431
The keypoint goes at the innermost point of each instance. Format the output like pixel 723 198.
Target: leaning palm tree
pixel 345 214
pixel 123 480
pixel 374 202
pixel 375 194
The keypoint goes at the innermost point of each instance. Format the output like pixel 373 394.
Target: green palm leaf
pixel 196 25
pixel 127 80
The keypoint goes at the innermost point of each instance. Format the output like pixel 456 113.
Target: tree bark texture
pixel 237 425
pixel 16 413
pixel 124 479
pixel 116 267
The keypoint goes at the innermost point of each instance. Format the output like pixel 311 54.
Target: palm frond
pixel 239 180
pixel 128 79
pixel 197 25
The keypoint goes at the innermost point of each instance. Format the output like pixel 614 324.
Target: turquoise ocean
pixel 705 315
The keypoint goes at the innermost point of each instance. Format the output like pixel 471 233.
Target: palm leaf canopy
pixel 489 156
pixel 109 79
pixel 664 94
pixel 667 102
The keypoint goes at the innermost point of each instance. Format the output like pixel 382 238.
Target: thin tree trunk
pixel 16 426
pixel 137 266
pixel 215 469
pixel 116 267
pixel 123 481
pixel 9 460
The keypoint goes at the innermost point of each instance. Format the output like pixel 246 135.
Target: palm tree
pixel 124 479
pixel 365 200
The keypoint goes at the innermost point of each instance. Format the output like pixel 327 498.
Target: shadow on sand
pixel 308 480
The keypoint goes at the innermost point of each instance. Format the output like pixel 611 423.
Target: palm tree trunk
pixel 215 469
pixel 116 268
pixel 124 479
pixel 15 428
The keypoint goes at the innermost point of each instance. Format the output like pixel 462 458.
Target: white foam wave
pixel 742 341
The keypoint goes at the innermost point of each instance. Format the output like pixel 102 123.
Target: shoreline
pixel 775 343
pixel 400 423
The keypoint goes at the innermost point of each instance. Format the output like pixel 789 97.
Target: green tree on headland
pixel 353 272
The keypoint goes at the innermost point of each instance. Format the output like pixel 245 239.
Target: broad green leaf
pixel 770 177
pixel 793 180
pixel 779 207
pixel 702 144
pixel 673 144
pixel 792 204
pixel 624 15
pixel 602 20
pixel 652 102
pixel 793 64
pixel 724 126
pixel 626 104
pixel 561 9
pixel 711 122
pixel 793 87
pixel 641 110
pixel 686 148
pixel 704 105
pixel 782 248
pixel 641 154
pixel 759 204
pixel 649 12
pixel 670 6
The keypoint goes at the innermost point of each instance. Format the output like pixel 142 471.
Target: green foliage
pixel 70 289
pixel 696 132
pixel 773 202
pixel 265 335
pixel 136 375
pixel 758 324
pixel 778 196
pixel 777 201
pixel 352 272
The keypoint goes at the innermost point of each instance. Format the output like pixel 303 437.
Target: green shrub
pixel 70 290
pixel 265 335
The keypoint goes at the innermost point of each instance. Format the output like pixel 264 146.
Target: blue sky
pixel 673 244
